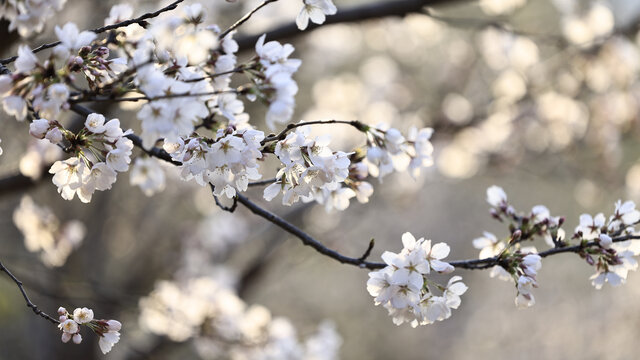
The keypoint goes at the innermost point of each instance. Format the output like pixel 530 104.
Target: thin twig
pixel 366 254
pixel 139 20
pixel 283 134
pixel 304 237
pixel 26 297
pixel 263 182
pixel 231 208
pixel 243 19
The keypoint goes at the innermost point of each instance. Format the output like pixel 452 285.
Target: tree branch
pixel 283 134
pixel 26 297
pixel 304 237
pixel 243 19
pixel 352 14
pixel 139 20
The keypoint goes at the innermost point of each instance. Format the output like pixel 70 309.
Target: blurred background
pixel 538 97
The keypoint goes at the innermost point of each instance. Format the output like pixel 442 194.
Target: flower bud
pixel 39 128
pixel 62 311
pixel 54 135
pixel 114 325
pixel 66 337
pixel 77 339
pixel 605 241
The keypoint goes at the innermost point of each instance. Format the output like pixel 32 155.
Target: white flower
pixel 107 341
pixel 119 13
pixel 95 123
pixel 54 135
pixel 525 298
pixel 26 60
pixel 590 226
pixel 15 106
pixel 455 289
pixel 531 263
pixel 435 254
pixel 68 175
pixel 496 197
pixel 316 11
pixel 69 326
pixel 489 245
pixel 605 241
pixel 598 279
pixel 82 315
pixel 363 191
pixel 148 175
pixel 624 216
pixel 38 128
pixel 114 325
pixel 119 158
pixel 66 337
pixel 72 39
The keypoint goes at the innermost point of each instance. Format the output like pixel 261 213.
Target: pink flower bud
pixel 62 318
pixel 39 128
pixel 114 325
pixel 62 311
pixel 54 135
pixel 65 337
pixel 77 338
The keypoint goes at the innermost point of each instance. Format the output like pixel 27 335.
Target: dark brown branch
pixel 366 254
pixel 304 237
pixel 243 19
pixel 26 297
pixel 263 182
pixel 141 20
pixel 352 14
pixel 283 134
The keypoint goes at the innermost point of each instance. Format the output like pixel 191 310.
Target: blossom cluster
pixel 613 261
pixel 595 234
pixel 403 288
pixel 148 174
pixel 29 16
pixel 45 234
pixel 45 86
pixel 310 168
pixel 108 330
pixel 208 310
pixel 388 151
pixel 101 150
pixel 39 154
pixel 274 80
pixel 227 162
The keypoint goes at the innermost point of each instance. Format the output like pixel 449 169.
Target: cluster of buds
pixel 101 150
pixel 40 84
pixel 95 64
pixel 108 330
